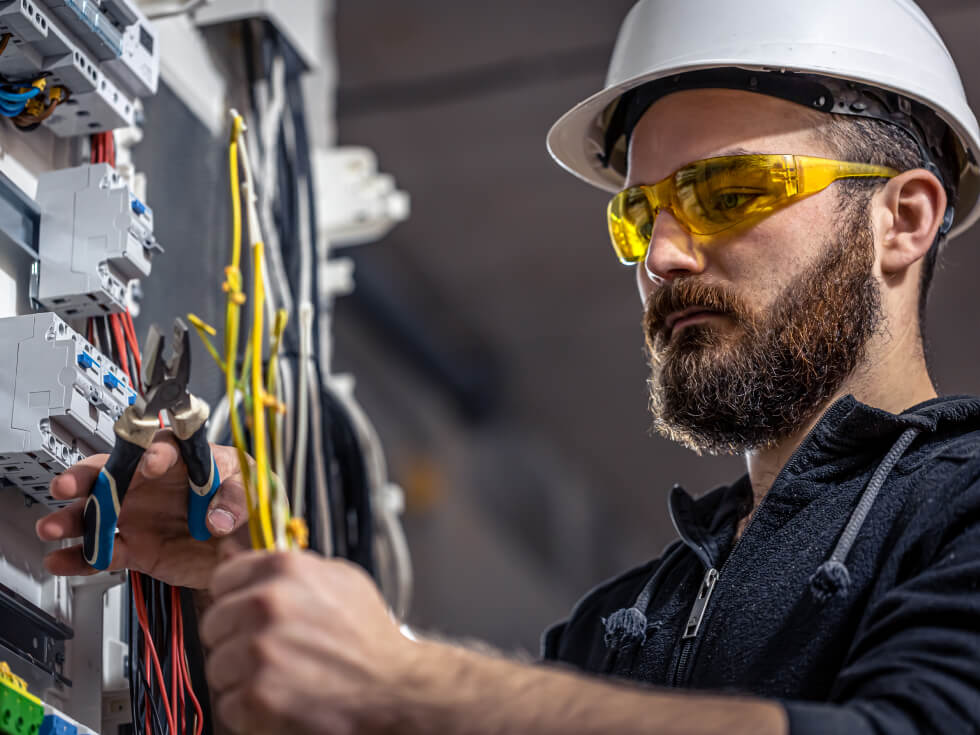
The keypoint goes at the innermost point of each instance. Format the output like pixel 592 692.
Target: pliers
pixel 165 384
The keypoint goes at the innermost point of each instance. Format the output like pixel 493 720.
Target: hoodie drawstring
pixel 832 578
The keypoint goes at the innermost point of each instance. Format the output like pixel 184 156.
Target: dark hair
pixel 868 140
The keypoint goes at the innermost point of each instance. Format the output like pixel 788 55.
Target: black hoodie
pixel 853 596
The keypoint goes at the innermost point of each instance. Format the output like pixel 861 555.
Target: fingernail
pixel 221 520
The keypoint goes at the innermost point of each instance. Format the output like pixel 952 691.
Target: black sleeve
pixel 915 666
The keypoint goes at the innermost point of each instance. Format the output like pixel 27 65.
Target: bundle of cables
pixel 257 386
pixel 322 447
pixel 28 103
pixel 162 688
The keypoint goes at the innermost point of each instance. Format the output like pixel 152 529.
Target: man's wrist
pixel 448 689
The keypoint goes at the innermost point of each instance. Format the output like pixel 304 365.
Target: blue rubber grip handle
pixel 101 511
pixel 203 478
pixel 198 500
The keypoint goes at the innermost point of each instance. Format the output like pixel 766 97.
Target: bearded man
pixel 783 198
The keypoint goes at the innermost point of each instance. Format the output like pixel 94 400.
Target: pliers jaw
pixel 165 377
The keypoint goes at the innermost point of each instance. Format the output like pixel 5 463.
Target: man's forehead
pixel 695 124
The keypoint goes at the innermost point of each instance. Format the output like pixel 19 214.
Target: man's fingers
pixel 63 523
pixel 228 510
pixel 239 614
pixel 77 480
pixel 160 456
pixel 248 568
pixel 67 562
pixel 227 459
pixel 235 712
pixel 229 664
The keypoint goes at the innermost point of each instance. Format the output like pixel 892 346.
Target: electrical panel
pixel 104 54
pixel 95 237
pixel 58 401
pixel 73 649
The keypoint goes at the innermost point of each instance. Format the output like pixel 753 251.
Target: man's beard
pixel 728 393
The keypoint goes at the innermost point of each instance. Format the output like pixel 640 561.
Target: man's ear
pixel 909 212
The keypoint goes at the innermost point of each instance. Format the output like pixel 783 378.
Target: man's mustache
pixel 680 294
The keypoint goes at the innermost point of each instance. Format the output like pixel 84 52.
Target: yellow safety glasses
pixel 713 195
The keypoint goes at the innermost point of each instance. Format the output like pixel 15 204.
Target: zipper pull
pixel 701 603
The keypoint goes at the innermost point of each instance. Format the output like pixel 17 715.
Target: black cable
pixel 351 468
pixel 102 329
pixel 131 657
pixel 158 719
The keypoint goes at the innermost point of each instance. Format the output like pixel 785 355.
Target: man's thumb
pixel 227 510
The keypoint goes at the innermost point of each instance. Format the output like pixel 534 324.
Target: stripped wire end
pixel 203 331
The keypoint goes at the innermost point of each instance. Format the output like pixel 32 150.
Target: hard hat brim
pixel 576 140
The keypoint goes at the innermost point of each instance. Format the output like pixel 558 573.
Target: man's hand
pixel 153 535
pixel 305 646
pixel 301 644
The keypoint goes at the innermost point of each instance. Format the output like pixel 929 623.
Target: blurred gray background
pixel 495 339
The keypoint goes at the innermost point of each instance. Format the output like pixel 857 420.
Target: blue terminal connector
pixel 54 725
pixel 138 206
pixel 111 381
pixel 87 361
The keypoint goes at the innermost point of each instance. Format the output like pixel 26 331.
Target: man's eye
pixel 645 230
pixel 733 200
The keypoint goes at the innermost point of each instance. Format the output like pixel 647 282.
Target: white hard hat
pixel 888 45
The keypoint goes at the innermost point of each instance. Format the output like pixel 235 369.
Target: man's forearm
pixel 453 690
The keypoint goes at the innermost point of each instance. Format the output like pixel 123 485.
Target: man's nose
pixel 673 252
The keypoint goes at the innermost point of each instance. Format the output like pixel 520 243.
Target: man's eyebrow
pixel 736 152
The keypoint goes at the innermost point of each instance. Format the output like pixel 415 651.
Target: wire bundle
pixel 258 386
pixel 162 693
pixel 28 103
pixel 323 444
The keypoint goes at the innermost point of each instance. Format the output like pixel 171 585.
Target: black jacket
pixel 853 596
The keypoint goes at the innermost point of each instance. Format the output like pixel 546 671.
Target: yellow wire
pixel 203 330
pixel 276 408
pixel 258 400
pixel 233 287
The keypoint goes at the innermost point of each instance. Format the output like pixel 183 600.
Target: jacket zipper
pixel 694 625
pixel 711 577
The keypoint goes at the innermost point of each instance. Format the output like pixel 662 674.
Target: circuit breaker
pixel 95 237
pixel 105 54
pixel 58 401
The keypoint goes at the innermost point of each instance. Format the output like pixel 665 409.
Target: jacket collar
pixel 845 435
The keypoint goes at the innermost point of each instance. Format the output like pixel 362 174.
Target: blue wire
pixel 19 96
pixel 8 109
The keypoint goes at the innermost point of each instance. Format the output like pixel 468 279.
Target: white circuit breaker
pixel 58 401
pixel 95 237
pixel 104 53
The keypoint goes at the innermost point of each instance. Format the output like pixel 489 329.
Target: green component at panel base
pixel 21 712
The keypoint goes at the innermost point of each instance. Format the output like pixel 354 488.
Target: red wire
pixel 146 658
pixel 117 333
pixel 174 698
pixel 134 348
pixel 141 614
pixel 199 722
pixel 110 144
